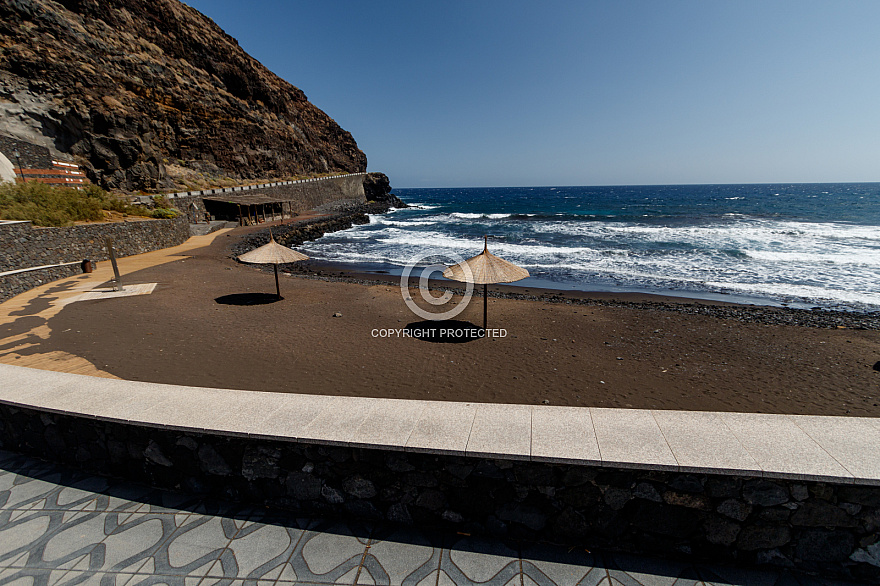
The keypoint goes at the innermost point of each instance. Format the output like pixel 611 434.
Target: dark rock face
pixel 133 87
pixel 377 187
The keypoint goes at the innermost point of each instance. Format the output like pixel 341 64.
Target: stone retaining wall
pixel 324 194
pixel 310 195
pixel 24 246
pixel 827 528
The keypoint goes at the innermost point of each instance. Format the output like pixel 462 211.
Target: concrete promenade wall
pixel 50 250
pixel 404 462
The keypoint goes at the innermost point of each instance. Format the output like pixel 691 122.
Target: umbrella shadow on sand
pixel 248 299
pixel 445 331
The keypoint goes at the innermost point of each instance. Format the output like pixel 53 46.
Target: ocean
pixel 800 245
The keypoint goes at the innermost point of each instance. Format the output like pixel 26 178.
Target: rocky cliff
pixel 377 188
pixel 141 92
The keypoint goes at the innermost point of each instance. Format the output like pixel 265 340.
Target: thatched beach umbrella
pixel 486 268
pixel 272 253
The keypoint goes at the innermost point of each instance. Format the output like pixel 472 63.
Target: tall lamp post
pixel 17 156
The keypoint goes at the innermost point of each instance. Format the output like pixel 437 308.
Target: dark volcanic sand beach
pixel 612 355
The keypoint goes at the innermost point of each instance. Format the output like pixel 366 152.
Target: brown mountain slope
pixel 130 86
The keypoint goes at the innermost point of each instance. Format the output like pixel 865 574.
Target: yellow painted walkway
pixel 24 318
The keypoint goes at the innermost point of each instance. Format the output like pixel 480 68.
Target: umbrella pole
pixel 485 304
pixel 277 287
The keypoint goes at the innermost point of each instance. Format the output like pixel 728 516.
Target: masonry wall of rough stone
pixel 12 285
pixel 24 246
pixel 30 156
pixel 833 529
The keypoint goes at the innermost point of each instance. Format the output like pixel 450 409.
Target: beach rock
pixel 773 557
pixel 303 486
pixel 361 509
pixel 774 514
pixel 487 470
pixel 55 440
pixel 821 491
pixel 822 514
pixel 431 499
pixel 735 509
pixel 398 463
pixel 117 451
pixel 686 483
pixel 581 496
pixel 799 492
pixel 868 555
pixel 154 454
pixel 260 462
pixel 523 515
pixel 756 537
pixel 693 501
pixel 331 495
pixel 868 496
pixel 187 442
pixel 724 487
pixel 421 479
pixel 359 487
pixel 570 523
pixel 399 513
pixel 452 517
pixel 662 519
pixel 460 471
pixel 721 531
pixel 579 476
pixel 82 455
pixel 212 462
pixel 534 475
pixel 616 498
pixel 821 545
pixel 645 490
pixel 764 493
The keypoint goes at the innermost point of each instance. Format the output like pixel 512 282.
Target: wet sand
pixel 578 349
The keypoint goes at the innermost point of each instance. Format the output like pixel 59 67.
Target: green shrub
pixel 163 213
pixel 47 205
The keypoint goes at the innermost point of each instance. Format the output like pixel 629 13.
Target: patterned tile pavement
pixel 60 526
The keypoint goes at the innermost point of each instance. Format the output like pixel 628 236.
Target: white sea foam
pixel 471 216
pixel 830 263
pixel 864 257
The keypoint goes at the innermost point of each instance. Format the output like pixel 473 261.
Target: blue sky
pixel 495 93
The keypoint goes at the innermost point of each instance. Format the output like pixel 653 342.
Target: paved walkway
pixel 60 526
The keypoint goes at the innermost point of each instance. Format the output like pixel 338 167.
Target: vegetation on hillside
pixel 47 205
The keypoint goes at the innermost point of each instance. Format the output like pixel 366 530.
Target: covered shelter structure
pixel 251 208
